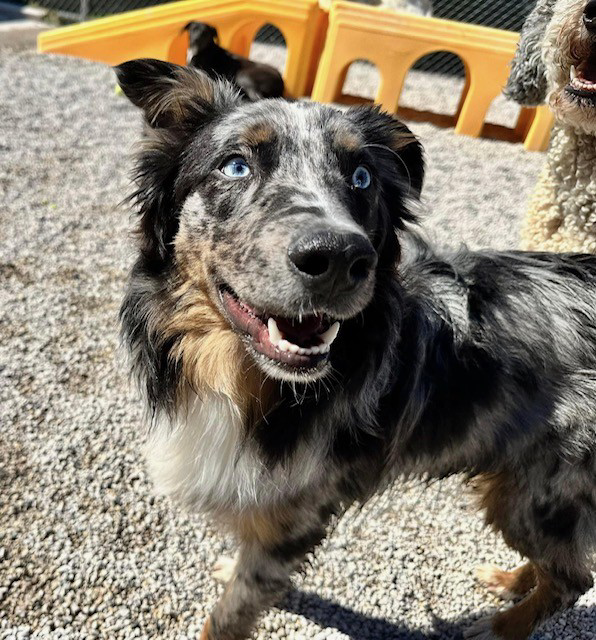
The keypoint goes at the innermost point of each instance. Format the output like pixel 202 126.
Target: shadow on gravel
pixel 362 627
pixel 358 626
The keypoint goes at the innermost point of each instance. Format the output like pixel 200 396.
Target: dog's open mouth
pixel 298 343
pixel 582 83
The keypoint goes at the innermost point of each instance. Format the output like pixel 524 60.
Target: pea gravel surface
pixel 86 551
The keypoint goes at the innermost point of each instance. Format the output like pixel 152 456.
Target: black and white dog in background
pixel 256 80
pixel 274 247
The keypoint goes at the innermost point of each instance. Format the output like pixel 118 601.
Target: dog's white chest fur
pixel 199 460
pixel 203 460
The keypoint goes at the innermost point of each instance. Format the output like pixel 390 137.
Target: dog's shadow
pixel 358 626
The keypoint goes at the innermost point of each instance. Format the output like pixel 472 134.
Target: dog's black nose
pixel 590 16
pixel 333 261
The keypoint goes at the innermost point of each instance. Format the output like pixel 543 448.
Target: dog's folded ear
pixel 527 83
pixel 171 95
pixel 177 102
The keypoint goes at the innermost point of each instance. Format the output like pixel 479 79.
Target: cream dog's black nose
pixel 590 16
pixel 329 261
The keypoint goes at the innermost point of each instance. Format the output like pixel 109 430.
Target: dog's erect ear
pixel 400 155
pixel 527 83
pixel 171 95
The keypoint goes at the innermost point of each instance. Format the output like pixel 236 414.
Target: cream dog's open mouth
pixel 300 343
pixel 582 80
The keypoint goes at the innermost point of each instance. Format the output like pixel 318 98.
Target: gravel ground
pixel 85 550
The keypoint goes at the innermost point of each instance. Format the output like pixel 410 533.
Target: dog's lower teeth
pixel 290 347
pixel 278 341
pixel 573 73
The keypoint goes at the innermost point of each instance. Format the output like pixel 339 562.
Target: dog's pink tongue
pixel 298 332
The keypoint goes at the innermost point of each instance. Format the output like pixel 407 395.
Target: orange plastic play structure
pixel 158 32
pixel 323 39
pixel 395 41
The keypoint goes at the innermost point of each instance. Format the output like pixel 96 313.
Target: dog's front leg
pixel 273 544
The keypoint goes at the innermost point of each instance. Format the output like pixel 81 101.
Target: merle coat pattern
pixel 300 347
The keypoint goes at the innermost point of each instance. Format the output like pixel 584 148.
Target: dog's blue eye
pixel 361 178
pixel 236 167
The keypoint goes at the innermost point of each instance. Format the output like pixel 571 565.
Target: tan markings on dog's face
pixel 257 133
pixel 569 52
pixel 347 139
pixel 211 354
pixel 296 183
pixel 351 140
pixel 236 232
pixel 282 210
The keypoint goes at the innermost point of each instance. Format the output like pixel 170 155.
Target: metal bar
pixel 84 10
pixel 71 16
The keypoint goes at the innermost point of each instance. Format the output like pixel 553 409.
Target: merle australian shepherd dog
pixel 299 349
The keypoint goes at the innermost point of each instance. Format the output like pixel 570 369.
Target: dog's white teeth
pixel 278 341
pixel 274 332
pixel 329 336
pixel 573 73
pixel 290 347
pixel 283 345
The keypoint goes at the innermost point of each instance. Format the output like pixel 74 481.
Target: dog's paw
pixel 223 569
pixel 481 630
pixel 494 579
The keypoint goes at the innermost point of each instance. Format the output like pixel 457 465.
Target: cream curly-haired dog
pixel 556 63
